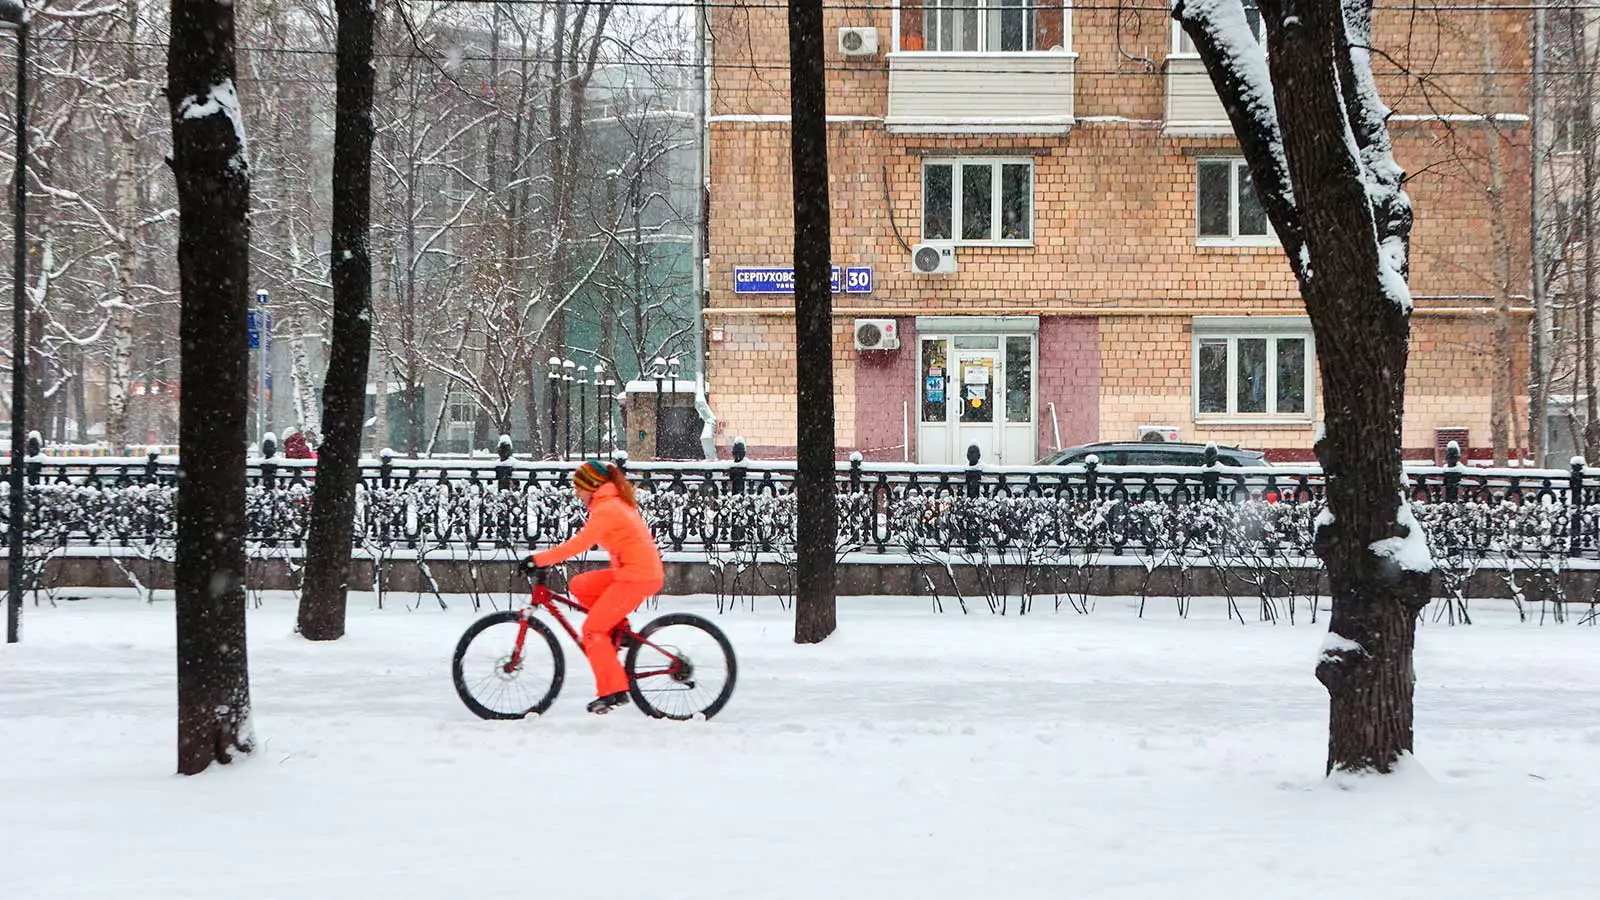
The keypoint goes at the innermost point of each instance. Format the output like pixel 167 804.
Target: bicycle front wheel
pixel 496 679
pixel 682 667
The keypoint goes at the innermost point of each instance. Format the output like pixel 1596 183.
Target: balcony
pixel 1193 107
pixel 981 67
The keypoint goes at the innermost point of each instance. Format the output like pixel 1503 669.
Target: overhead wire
pixel 859 68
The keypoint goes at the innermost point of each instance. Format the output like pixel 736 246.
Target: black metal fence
pixel 1211 513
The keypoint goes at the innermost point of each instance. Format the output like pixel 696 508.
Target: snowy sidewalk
pixel 912 756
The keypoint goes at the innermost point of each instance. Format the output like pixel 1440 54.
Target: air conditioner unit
pixel 877 334
pixel 1158 434
pixel 858 41
pixel 933 259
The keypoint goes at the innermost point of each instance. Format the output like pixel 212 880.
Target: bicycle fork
pixel 515 662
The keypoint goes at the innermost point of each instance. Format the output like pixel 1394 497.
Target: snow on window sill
pixel 1002 244
pixel 1054 53
pixel 1265 241
pixel 1251 421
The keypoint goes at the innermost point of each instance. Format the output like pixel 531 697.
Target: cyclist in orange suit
pixel 608 594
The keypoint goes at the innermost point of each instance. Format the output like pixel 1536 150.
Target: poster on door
pixel 934 388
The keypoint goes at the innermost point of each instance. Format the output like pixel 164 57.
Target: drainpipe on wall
pixel 708 419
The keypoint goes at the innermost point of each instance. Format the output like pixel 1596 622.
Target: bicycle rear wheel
pixel 682 667
pixel 491 683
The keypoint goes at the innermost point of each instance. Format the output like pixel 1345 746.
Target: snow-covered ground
pixel 913 755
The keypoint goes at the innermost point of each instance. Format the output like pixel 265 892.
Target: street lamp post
pixel 599 405
pixel 658 371
pixel 567 410
pixel 583 411
pixel 613 407
pixel 554 387
pixel 15 16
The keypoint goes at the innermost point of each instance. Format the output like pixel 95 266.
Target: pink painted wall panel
pixel 1069 377
pixel 885 382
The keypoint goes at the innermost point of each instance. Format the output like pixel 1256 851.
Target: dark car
pixel 1152 453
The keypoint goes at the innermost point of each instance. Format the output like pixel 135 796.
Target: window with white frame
pixel 1253 371
pixel 463 408
pixel 1227 209
pixel 1569 127
pixel 977 201
pixel 1183 46
pixel 983 26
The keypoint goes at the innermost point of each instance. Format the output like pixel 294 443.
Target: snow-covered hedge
pixel 428 514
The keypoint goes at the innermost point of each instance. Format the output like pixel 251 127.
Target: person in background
pixel 295 446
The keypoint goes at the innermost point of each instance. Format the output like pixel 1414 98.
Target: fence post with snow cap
pixel 974 490
pixel 1452 472
pixel 1575 498
pixel 269 463
pixel 35 448
pixel 1210 477
pixel 503 471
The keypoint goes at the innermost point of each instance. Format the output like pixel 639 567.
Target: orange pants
pixel 608 602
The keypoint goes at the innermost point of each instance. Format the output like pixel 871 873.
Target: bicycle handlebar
pixel 537 573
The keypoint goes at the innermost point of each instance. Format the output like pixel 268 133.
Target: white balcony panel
pixel 1193 106
pixel 981 92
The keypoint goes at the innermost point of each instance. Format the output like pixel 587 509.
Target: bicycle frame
pixel 551 602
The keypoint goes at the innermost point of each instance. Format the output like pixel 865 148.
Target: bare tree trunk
pixel 120 372
pixel 292 303
pixel 815 615
pixel 381 412
pixel 322 606
pixel 213 181
pixel 1583 59
pixel 1327 204
pixel 1502 411
pixel 1541 346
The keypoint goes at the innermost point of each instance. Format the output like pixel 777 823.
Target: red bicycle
pixel 508 664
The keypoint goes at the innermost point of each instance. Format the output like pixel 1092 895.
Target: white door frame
pixel 942 442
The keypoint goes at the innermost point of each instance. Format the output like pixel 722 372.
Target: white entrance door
pixel 977 389
pixel 975 378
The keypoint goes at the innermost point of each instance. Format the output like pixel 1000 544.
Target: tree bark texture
pixel 126 198
pixel 1503 405
pixel 213 183
pixel 333 501
pixel 1589 172
pixel 814 611
pixel 1332 203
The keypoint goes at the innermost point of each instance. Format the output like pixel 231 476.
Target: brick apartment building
pixel 1113 272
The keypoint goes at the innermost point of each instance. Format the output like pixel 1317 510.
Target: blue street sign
pixel 253 328
pixel 780 280
pixel 857 280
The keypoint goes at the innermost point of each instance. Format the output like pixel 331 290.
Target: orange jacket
pixel 620 531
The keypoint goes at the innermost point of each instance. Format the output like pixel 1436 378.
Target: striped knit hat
pixel 589 476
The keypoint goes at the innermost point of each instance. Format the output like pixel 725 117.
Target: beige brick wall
pixel 1146 364
pixel 1114 224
